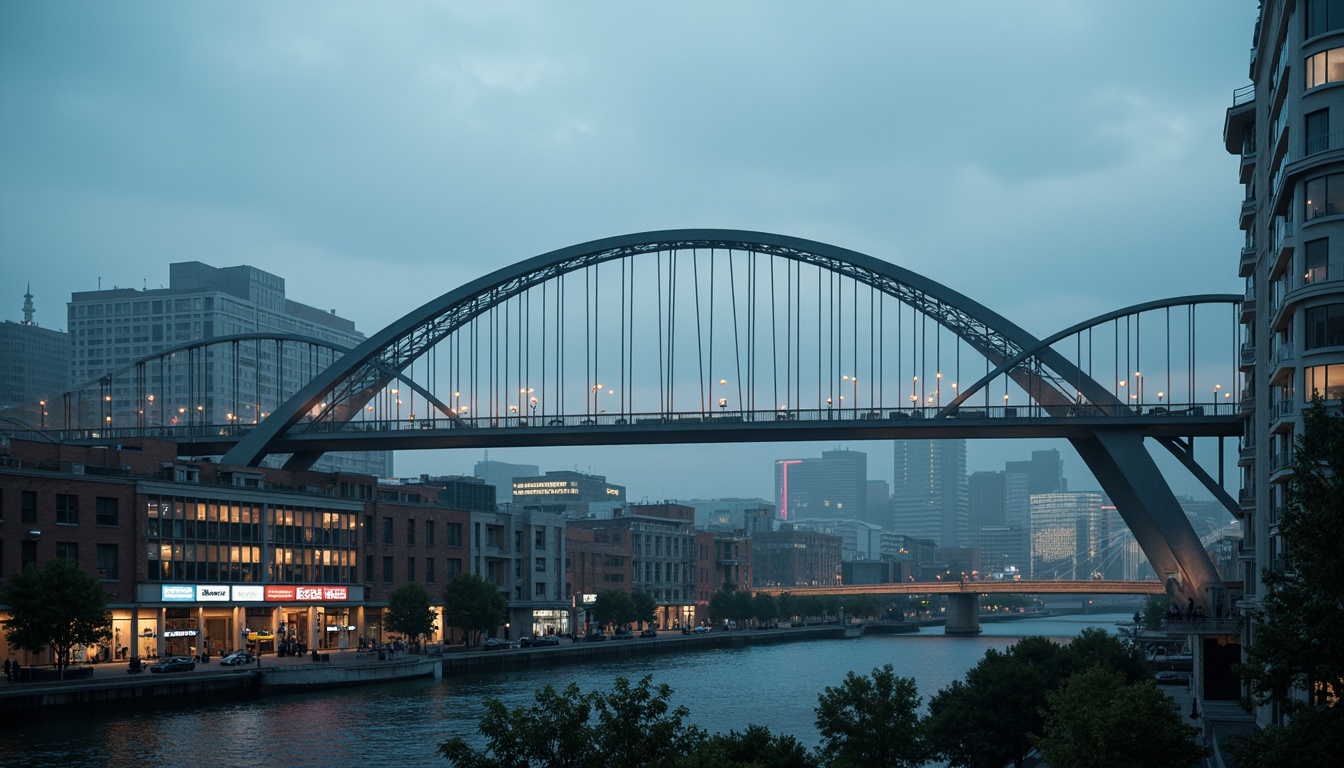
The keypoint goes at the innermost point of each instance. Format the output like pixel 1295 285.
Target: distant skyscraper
pixel 34 368
pixel 1045 472
pixel 1065 535
pixel 239 383
pixel 928 491
pixel 998 506
pixel 834 486
pixel 501 475
pixel 879 503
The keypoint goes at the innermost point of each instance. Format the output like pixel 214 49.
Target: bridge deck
pixel 1078 587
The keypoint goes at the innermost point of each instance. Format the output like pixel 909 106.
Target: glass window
pixel 387 569
pixel 429 533
pixel 429 570
pixel 541 538
pixel 410 569
pixel 387 530
pixel 1325 67
pixel 1323 16
pixel 1325 326
pixel 1318 131
pixel 67 509
pixel 1327 381
pixel 410 533
pixel 452 533
pixel 28 507
pixel 107 561
pixel 1316 254
pixel 105 511
pixel 1325 197
pixel 67 551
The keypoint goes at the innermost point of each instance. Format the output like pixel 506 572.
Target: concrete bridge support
pixel 963 614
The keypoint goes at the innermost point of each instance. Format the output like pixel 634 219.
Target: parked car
pixel 539 641
pixel 622 634
pixel 238 659
pixel 175 664
pixel 649 632
pixel 500 644
pixel 701 630
pixel 1172 678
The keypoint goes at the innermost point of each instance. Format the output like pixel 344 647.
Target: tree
pixel 985 721
pixel 614 606
pixel 1299 623
pixel 1154 609
pixel 787 604
pixel 473 605
pixel 764 607
pixel 57 606
pixel 573 729
pixel 756 747
pixel 554 733
pixel 1097 720
pixel 409 612
pixel 1093 647
pixel 871 722
pixel 646 608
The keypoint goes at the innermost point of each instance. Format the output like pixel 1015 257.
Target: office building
pixel 238 383
pixel 790 557
pixel 34 369
pixel 1065 534
pixel 1044 471
pixel 731 514
pixel 566 492
pixel 501 474
pixel 834 486
pixel 928 491
pixel 662 555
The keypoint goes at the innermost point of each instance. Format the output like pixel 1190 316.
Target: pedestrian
pixel 1190 608
pixel 6 670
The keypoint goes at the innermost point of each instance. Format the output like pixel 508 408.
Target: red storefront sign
pixel 278 593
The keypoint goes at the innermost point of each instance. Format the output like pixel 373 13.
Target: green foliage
pixel 1299 624
pixel 764 607
pixel 862 606
pixel 755 747
pixel 1096 647
pixel 1313 737
pixel 57 606
pixel 787 605
pixel 621 729
pixel 473 605
pixel 409 612
pixel 984 722
pixel 614 606
pixel 871 722
pixel 646 608
pixel 1154 608
pixel 1097 720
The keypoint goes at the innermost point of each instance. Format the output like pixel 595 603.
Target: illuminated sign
pixel 589 599
pixel 212 594
pixel 249 593
pixel 182 633
pixel 279 593
pixel 178 593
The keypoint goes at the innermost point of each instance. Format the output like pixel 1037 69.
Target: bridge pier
pixel 963 614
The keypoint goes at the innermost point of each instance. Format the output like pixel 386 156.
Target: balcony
pixel 1281 461
pixel 1284 408
pixel 1228 625
pixel 1246 497
pixel 1284 354
pixel 1247 355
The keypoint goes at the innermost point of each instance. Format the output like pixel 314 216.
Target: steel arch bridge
pixel 708 335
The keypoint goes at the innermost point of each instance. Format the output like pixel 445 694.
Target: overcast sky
pixel 1052 160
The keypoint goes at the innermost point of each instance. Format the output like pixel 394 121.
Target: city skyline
pixel 330 153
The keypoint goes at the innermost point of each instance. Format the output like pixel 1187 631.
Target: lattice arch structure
pixel 1050 380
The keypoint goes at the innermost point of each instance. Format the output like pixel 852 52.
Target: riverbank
pixel 108 689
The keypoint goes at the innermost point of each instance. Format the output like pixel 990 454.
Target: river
pixel 402 723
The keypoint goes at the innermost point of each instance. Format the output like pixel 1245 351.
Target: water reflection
pixel 403 723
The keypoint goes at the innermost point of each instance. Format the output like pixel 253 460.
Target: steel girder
pixel 1120 463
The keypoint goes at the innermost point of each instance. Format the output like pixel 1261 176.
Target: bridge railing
pixel 725 418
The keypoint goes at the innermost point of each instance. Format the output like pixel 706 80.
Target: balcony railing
pixel 1245 93
pixel 1247 496
pixel 1248 354
pixel 1281 460
pixel 1228 625
pixel 1283 408
pixel 1284 353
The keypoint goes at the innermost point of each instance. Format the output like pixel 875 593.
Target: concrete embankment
pixel 107 689
pixel 579 653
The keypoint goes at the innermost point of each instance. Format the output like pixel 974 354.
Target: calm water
pixel 402 723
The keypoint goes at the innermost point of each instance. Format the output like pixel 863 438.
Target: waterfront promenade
pixel 110 688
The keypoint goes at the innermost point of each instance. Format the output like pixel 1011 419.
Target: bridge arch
pixel 1052 381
